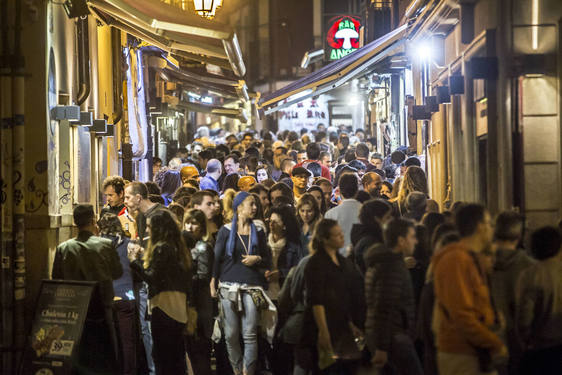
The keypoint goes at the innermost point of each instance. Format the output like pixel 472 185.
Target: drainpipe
pixel 117 62
pixel 18 142
pixel 83 60
pixel 6 195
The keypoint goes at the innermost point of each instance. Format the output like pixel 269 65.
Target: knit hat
pixel 231 242
pixel 238 199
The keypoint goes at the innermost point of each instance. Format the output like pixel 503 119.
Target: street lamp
pixel 207 8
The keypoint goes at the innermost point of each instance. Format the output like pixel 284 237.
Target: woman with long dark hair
pixel 262 173
pixel 308 214
pixel 242 263
pixel 165 267
pixel 231 182
pixel 197 240
pixel 284 240
pixel 334 293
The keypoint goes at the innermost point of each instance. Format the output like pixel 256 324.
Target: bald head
pixel 371 182
pixel 214 167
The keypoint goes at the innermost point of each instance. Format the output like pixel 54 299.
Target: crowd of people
pixel 311 254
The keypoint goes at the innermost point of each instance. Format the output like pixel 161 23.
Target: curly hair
pixel 110 224
pixel 116 182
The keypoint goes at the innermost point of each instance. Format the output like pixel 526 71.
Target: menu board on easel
pixel 57 326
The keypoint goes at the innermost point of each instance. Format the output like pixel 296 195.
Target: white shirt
pixel 346 214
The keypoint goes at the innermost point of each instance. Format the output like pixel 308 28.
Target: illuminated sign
pixel 343 36
pixel 306 114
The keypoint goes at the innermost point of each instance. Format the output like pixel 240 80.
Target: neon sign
pixel 343 36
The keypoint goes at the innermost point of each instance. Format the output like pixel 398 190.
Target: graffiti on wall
pixel 65 184
pixel 36 197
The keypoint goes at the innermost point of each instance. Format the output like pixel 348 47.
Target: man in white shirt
pixel 347 213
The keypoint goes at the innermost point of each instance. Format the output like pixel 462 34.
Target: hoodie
pixel 508 266
pixel 389 296
pixel 362 238
pixel 464 312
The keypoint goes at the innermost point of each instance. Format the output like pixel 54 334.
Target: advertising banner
pixel 57 327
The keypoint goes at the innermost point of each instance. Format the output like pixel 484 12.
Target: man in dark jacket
pixel 88 257
pixel 510 262
pixel 91 258
pixel 390 300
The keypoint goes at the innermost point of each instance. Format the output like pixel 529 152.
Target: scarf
pixel 276 247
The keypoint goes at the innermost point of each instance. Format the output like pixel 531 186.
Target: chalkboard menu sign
pixel 57 327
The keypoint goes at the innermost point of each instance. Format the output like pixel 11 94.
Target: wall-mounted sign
pixel 343 36
pixel 305 114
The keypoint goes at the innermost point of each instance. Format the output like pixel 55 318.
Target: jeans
pixel 145 327
pixel 245 322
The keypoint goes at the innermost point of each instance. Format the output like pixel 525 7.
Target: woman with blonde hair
pixel 241 268
pixel 227 199
pixel 165 267
pixel 414 180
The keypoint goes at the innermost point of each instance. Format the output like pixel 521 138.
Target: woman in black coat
pixel 165 267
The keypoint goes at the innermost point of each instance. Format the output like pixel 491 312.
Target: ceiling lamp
pixel 207 8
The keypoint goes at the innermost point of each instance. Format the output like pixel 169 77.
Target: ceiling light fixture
pixel 207 8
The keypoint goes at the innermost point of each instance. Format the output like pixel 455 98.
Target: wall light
pixel 424 51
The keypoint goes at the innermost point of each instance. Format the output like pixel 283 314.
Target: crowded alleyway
pixel 281 187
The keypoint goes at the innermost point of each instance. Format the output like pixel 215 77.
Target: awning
pixel 195 79
pixel 334 74
pixel 173 30
pixel 235 113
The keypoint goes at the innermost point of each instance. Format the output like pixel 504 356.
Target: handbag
pixel 258 298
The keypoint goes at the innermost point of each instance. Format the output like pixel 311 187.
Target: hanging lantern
pixel 207 8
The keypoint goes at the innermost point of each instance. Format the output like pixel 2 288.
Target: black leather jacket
pixel 165 272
